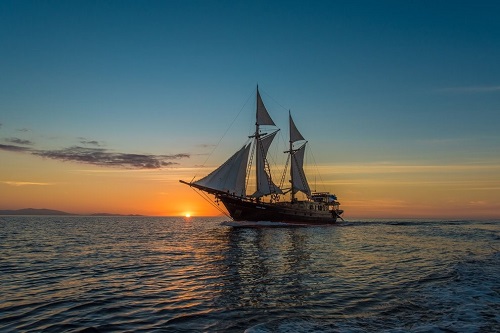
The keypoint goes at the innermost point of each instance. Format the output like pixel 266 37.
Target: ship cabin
pixel 326 198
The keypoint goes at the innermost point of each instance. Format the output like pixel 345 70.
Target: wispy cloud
pixel 85 141
pixel 104 157
pixel 16 183
pixel 377 168
pixel 379 203
pixel 471 89
pixel 23 130
pixel 14 148
pixel 19 141
pixel 203 145
pixel 101 157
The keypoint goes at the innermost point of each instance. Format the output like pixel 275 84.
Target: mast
pixel 290 152
pixel 298 178
pixel 257 135
pixel 265 185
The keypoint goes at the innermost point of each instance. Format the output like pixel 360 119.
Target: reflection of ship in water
pixel 267 265
pixel 271 269
pixel 228 183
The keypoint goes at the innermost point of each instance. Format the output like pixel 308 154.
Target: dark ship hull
pixel 301 212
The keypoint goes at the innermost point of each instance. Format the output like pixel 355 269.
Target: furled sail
pixel 299 182
pixel 263 117
pixel 230 176
pixel 265 185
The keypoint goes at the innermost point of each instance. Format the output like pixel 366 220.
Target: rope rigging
pixel 207 198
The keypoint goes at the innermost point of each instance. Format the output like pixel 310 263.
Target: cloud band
pixel 101 157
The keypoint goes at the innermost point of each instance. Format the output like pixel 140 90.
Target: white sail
pixel 265 185
pixel 294 132
pixel 299 182
pixel 263 117
pixel 230 176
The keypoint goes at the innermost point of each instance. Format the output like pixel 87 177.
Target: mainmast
pixel 290 151
pixel 298 178
pixel 257 132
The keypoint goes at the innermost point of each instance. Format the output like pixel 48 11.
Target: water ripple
pixel 115 274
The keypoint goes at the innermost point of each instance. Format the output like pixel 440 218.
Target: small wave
pixel 255 224
pixel 169 275
pixel 464 298
pixel 89 330
pixel 292 325
pixel 269 224
pixel 411 222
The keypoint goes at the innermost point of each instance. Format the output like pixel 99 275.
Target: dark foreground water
pixel 145 274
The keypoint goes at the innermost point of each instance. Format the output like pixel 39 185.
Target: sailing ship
pixel 228 183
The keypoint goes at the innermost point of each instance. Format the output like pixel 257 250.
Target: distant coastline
pixel 53 212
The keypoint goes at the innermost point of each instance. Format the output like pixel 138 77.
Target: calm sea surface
pixel 155 274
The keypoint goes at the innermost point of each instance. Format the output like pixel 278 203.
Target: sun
pixel 187 215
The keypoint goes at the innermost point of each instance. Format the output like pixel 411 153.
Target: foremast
pixel 231 176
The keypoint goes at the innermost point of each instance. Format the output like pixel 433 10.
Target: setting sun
pixel 187 215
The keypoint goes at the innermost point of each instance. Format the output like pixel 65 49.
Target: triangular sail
pixel 263 117
pixel 299 180
pixel 294 132
pixel 230 176
pixel 265 185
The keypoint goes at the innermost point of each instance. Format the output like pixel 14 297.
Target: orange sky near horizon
pixel 364 190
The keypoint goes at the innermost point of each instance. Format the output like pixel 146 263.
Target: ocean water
pixel 156 274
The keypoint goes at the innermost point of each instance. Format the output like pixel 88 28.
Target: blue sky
pixel 367 81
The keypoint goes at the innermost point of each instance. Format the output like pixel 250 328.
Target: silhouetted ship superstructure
pixel 228 183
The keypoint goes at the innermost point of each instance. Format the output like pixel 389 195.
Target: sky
pixel 105 105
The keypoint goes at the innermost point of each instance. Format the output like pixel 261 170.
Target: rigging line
pixel 249 167
pixel 205 197
pixel 283 176
pixel 322 182
pixel 271 97
pixel 271 154
pixel 278 145
pixel 267 169
pixel 223 135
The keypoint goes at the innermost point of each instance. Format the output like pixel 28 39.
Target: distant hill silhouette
pixel 53 212
pixel 34 211
pixel 111 214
